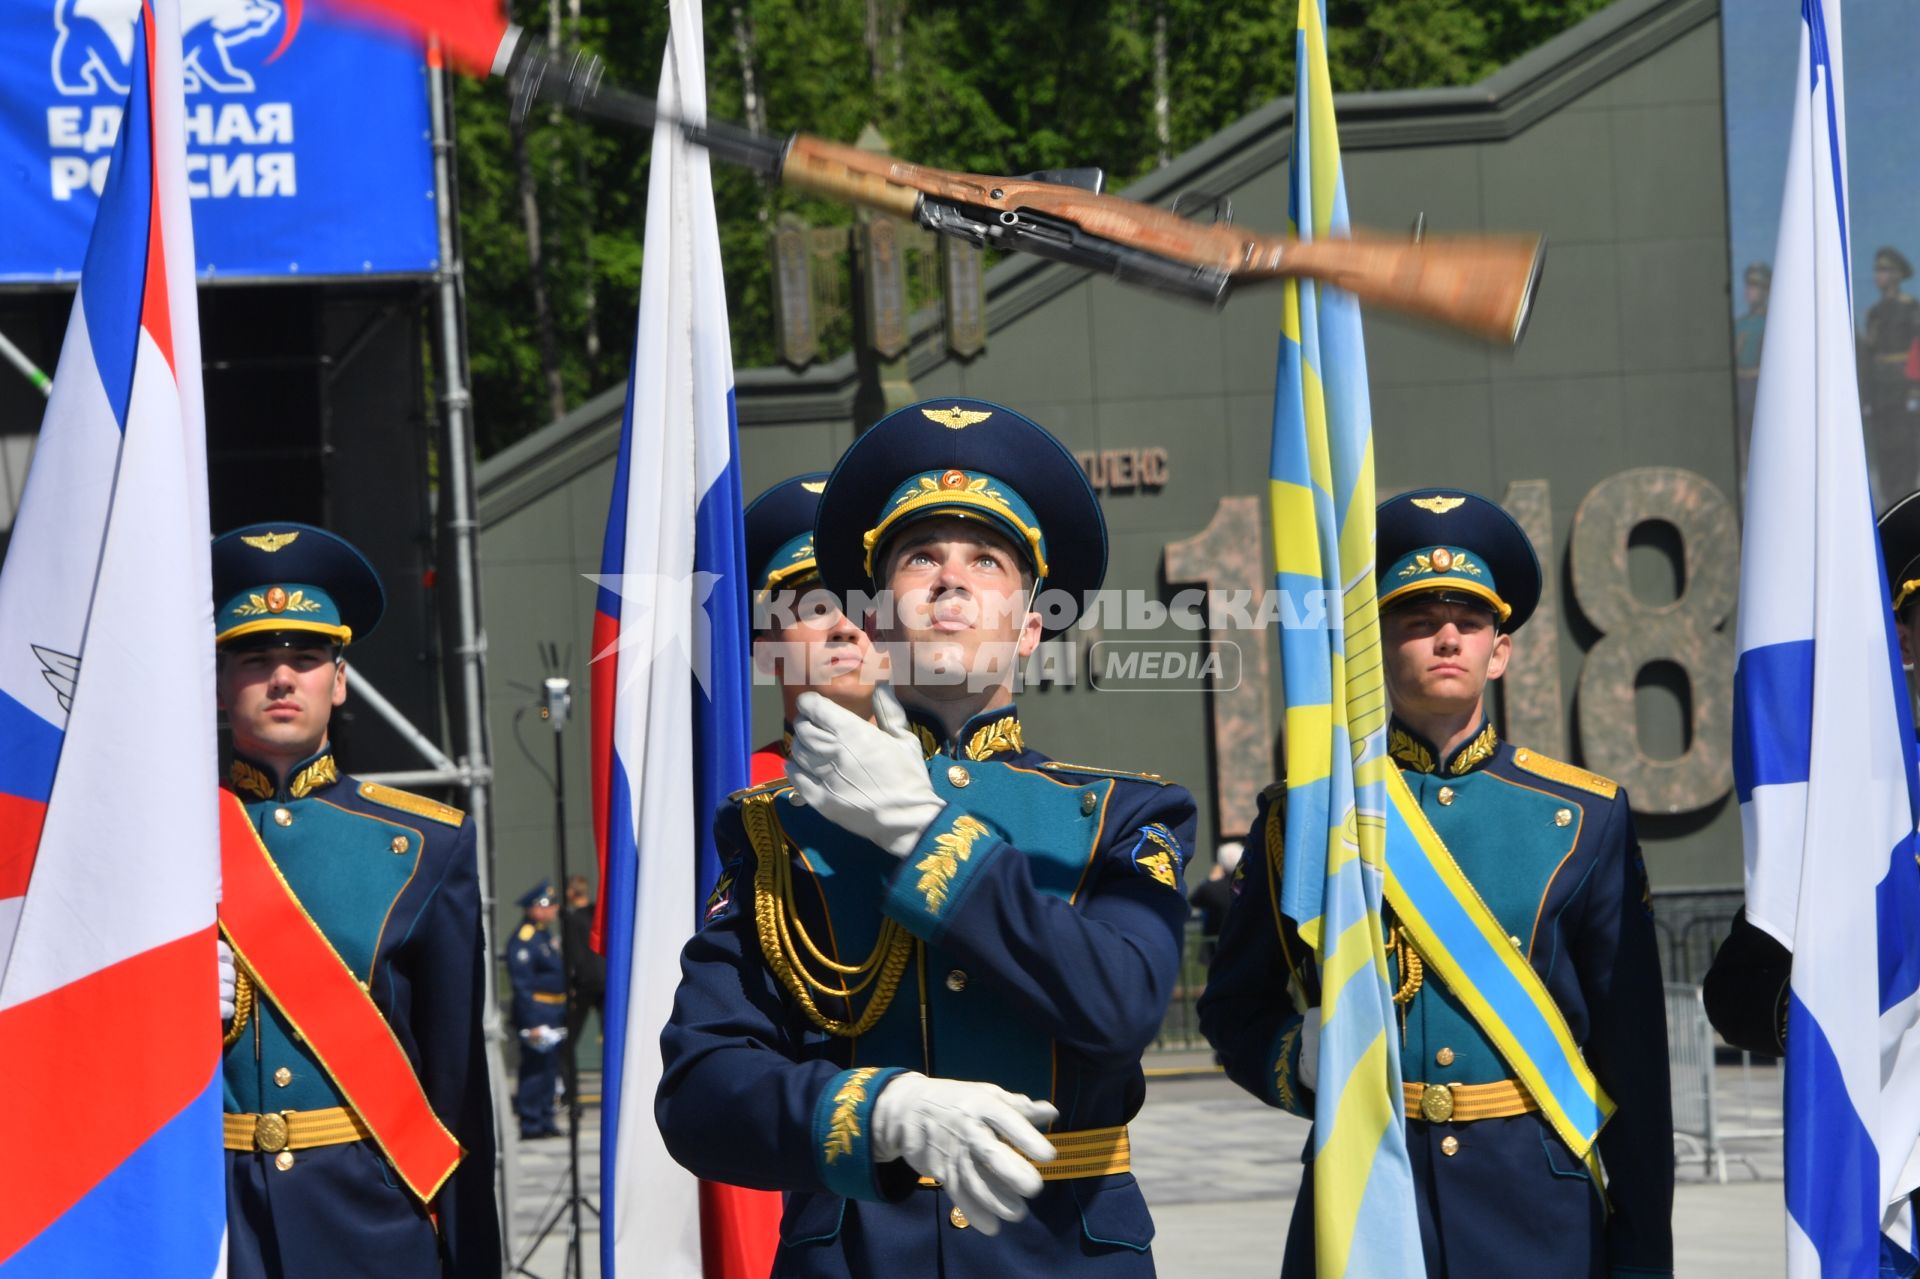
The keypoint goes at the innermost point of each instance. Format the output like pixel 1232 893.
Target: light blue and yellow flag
pixel 1355 835
pixel 1322 495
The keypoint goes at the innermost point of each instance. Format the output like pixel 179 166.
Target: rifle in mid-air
pixel 1481 284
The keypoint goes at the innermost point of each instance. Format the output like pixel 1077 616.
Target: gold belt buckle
pixel 1436 1104
pixel 270 1133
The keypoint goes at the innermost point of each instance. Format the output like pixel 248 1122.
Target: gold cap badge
pixel 814 486
pixel 1439 505
pixel 271 542
pixel 955 418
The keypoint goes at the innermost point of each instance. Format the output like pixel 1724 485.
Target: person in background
pixel 1890 375
pixel 1749 335
pixel 539 1011
pixel 1214 895
pixel 586 972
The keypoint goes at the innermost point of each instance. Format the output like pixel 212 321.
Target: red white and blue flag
pixel 109 841
pixel 669 693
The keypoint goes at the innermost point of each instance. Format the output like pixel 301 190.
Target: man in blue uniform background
pixel 539 980
pixel 1551 851
pixel 389 880
pixel 921 1008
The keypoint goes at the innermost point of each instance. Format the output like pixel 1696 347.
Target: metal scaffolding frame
pixel 471 766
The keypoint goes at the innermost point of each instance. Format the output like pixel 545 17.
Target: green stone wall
pixel 1608 140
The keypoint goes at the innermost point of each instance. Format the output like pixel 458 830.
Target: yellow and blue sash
pixel 1460 938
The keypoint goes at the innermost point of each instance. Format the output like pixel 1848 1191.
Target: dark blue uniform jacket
pixel 1551 850
pixel 1042 916
pixel 391 880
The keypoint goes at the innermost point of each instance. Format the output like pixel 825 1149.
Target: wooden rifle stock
pixel 1481 284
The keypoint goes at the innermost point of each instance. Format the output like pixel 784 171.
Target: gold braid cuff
pixel 242 1003
pixel 777 921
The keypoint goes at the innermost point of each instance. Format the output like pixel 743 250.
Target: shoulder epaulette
pixel 1566 774
pixel 526 932
pixel 764 788
pixel 1059 766
pixel 408 802
pixel 1273 791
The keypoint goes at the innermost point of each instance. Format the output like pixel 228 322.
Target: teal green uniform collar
pixel 1415 753
pixel 988 735
pixel 254 781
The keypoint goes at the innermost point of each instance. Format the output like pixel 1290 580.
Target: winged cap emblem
pixel 814 486
pixel 955 418
pixel 271 542
pixel 1439 505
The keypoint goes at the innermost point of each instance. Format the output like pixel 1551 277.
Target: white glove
pixel 227 979
pixel 868 779
pixel 1309 1071
pixel 969 1137
pixel 541 1038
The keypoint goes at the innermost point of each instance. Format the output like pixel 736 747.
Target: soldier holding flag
pixel 1550 848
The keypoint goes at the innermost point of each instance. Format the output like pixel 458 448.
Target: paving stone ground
pixel 1221 1172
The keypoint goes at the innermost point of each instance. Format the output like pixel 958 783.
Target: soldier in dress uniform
pixel 1551 851
pixel 921 1006
pixel 539 1010
pixel 359 1127
pixel 1746 989
pixel 801 636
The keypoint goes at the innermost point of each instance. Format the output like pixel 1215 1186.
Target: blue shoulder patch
pixel 1157 853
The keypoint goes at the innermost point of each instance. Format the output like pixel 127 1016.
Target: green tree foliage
pixel 1002 88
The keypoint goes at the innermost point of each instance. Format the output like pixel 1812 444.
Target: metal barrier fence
pixel 1715 1106
pixel 1180 1031
pixel 1688 923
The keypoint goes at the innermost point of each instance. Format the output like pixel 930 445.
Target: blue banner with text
pixel 308 141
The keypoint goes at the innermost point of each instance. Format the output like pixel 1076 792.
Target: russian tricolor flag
pixel 109 1036
pixel 670 686
pixel 1823 736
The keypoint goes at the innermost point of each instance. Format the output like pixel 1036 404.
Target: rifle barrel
pixel 577 81
pixel 1482 284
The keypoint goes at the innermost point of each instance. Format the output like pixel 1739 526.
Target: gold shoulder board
pixel 773 787
pixel 1059 766
pixel 408 802
pixel 1566 774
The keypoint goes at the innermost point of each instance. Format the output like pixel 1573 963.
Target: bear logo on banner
pixel 94 46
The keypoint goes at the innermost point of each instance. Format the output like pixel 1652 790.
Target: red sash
pixel 298 968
